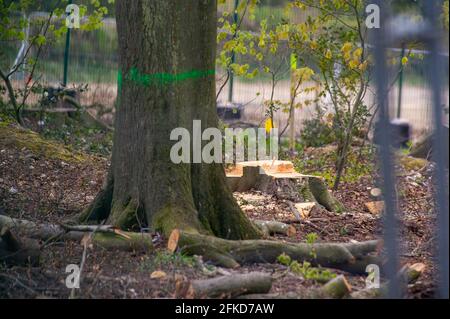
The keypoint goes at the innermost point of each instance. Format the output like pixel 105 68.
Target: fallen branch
pixel 269 228
pixel 231 254
pixel 229 286
pixel 336 288
pixel 108 238
pixel 90 228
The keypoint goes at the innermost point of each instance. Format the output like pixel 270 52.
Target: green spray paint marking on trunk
pixel 161 78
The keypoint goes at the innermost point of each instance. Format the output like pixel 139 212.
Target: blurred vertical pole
pixel 390 228
pixel 292 92
pixel 66 53
pixel 440 146
pixel 233 56
pixel 400 83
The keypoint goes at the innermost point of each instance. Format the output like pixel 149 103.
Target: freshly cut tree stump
pixel 269 228
pixel 15 252
pixel 108 238
pixel 280 178
pixel 229 286
pixel 265 176
pixel 232 253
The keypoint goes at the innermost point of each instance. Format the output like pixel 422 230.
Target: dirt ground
pixel 48 189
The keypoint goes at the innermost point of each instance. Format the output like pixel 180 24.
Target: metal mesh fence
pixel 92 60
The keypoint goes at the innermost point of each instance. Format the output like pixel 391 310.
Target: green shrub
pixel 316 133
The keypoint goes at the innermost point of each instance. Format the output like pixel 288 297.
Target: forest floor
pixel 50 188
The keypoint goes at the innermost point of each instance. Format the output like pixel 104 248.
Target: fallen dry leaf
pixel 158 274
pixel 375 208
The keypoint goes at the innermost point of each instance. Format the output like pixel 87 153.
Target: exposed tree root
pixel 321 194
pixel 111 239
pixel 213 212
pixel 229 286
pixel 100 207
pixel 229 253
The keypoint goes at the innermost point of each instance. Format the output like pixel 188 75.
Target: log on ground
pixel 270 228
pixel 336 288
pixel 229 286
pixel 230 253
pixel 103 236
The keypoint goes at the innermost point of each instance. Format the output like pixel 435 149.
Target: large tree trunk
pixel 167 59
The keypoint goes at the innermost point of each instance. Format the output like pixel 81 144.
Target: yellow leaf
pixel 363 66
pixel 405 60
pixel 347 47
pixel 305 73
pixel 269 125
pixel 357 53
pixel 353 64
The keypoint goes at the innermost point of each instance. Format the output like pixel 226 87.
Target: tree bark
pixel 167 53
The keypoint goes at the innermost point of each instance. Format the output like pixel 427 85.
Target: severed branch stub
pixel 233 253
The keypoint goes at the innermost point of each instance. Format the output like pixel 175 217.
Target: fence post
pixel 233 56
pixel 387 168
pixel 440 148
pixel 400 83
pixel 66 53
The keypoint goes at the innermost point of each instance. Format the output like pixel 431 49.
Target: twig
pixel 17 281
